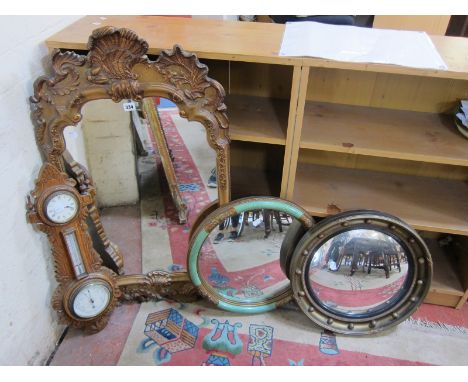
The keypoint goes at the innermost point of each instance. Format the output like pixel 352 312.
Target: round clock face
pixel 91 299
pixel 61 207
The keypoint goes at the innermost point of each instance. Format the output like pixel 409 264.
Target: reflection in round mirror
pixel 360 272
pixel 154 163
pixel 234 254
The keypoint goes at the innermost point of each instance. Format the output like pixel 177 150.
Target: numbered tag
pixel 129 106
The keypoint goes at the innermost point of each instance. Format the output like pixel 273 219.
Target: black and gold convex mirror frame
pixel 359 272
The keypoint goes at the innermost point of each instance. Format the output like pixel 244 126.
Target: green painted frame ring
pixel 212 221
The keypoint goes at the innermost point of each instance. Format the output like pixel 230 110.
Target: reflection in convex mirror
pixel 360 272
pixel 234 256
pixel 145 153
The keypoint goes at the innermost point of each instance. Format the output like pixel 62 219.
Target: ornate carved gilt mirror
pixel 117 70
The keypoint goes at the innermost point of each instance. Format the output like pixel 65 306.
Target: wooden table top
pixel 242 41
pixel 208 38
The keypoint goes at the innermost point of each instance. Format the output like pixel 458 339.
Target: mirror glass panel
pixel 147 163
pixel 239 260
pixel 359 272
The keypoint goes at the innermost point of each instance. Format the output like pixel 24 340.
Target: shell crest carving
pixel 112 54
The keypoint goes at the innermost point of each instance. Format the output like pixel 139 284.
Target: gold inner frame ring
pixel 417 287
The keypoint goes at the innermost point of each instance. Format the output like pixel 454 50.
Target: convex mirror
pixel 360 272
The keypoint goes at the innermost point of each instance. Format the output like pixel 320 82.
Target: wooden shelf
pixel 427 204
pixel 257 119
pixel 445 280
pixel 253 182
pixel 426 137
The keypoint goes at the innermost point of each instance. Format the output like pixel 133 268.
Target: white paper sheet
pixel 462 118
pixel 356 44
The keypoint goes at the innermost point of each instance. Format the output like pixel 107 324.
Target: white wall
pixel 28 328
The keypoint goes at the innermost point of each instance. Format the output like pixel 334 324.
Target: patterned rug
pixel 169 333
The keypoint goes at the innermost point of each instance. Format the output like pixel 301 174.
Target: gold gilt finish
pixel 117 68
pixel 85 185
pixel 51 180
pixel 414 295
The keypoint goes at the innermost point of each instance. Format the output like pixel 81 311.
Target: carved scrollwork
pixel 66 79
pixel 55 103
pixel 113 52
pixel 184 71
pixel 112 69
pixel 156 285
pixel 199 98
pixel 117 67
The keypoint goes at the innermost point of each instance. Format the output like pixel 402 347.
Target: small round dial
pixel 91 299
pixel 61 207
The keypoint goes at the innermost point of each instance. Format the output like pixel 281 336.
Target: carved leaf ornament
pixel 184 71
pixel 112 69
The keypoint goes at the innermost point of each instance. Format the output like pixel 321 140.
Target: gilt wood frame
pixel 116 67
pixel 152 116
pixel 50 180
pixel 109 251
